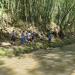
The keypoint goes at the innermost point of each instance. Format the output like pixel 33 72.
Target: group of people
pixel 24 38
pixel 30 36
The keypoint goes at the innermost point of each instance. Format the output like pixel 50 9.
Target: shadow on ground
pixel 57 61
pixel 54 61
pixel 4 70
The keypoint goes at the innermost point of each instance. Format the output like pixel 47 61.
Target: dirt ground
pixel 55 61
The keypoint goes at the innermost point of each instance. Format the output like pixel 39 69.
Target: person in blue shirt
pixel 49 36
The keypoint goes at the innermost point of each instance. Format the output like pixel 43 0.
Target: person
pixel 22 38
pixel 61 34
pixel 29 38
pixel 33 36
pixel 13 37
pixel 49 36
pixel 26 37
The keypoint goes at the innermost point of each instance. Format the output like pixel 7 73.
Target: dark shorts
pixel 13 38
pixel 30 39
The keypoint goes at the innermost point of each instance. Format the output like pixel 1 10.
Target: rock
pixel 5 44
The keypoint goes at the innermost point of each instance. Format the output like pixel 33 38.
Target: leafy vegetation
pixel 40 12
pixel 23 14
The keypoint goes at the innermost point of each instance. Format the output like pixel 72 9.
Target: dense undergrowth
pixel 28 48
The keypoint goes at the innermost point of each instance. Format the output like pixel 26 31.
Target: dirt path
pixel 55 61
pixel 20 66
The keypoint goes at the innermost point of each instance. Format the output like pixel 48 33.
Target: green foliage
pixel 39 45
pixel 41 12
pixel 28 48
pixel 56 43
pixel 6 52
pixel 2 52
pixel 69 41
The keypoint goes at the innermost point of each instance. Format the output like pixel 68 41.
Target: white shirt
pixel 29 35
